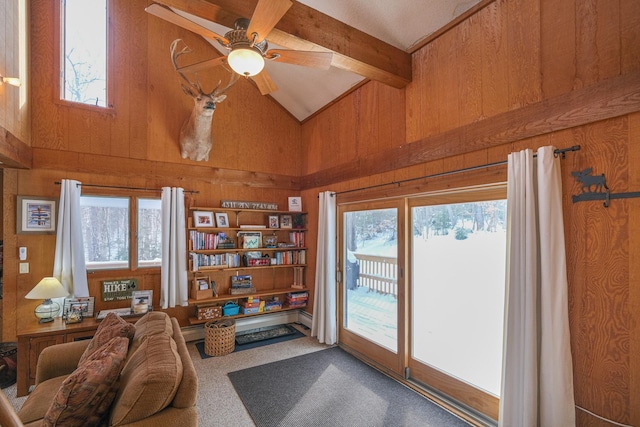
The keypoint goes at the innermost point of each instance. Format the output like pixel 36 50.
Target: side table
pixel 35 337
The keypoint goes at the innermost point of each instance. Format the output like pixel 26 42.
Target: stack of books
pixel 297 299
pixel 241 285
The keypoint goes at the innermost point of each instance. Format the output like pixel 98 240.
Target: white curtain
pixel 324 323
pixel 173 277
pixel 68 264
pixel 537 378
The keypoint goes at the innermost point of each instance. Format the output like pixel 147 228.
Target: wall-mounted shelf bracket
pixel 594 187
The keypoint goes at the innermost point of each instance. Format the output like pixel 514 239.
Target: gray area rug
pixel 332 388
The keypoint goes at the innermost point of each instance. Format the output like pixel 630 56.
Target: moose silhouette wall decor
pixel 594 187
pixel 195 136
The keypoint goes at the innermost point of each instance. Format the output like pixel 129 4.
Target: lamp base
pixel 46 320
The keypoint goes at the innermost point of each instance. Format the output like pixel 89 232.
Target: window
pixel 83 62
pixel 106 225
pixel 149 235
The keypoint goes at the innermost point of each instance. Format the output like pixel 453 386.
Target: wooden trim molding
pixel 610 98
pixel 126 167
pixel 14 153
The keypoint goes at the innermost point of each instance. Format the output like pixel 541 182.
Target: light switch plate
pixel 22 252
pixel 24 267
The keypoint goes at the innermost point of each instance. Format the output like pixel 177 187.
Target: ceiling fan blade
pixel 265 16
pixel 305 58
pixel 209 63
pixel 264 82
pixel 170 16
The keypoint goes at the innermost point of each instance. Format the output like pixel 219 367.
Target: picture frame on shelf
pixel 251 240
pixel 286 221
pixel 295 204
pixel 270 241
pixel 35 215
pixel 274 221
pixel 222 220
pixel 203 219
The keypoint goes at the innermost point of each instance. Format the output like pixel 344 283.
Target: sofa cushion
pixel 39 400
pixel 154 322
pixel 112 326
pixel 148 381
pixel 86 395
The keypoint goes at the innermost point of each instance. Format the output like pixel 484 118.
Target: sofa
pixel 128 374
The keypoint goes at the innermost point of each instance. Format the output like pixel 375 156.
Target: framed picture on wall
pixel 35 215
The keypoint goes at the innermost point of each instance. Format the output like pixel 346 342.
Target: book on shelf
pixel 242 291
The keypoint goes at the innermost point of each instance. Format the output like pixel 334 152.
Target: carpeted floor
pixel 332 388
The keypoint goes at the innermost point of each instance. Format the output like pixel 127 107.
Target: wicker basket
pixel 219 337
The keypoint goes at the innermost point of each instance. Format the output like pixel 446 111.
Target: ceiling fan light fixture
pixel 245 61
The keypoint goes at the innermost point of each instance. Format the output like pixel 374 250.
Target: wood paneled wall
pixel 256 153
pixel 520 74
pixel 500 70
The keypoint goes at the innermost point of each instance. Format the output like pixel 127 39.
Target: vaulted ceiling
pixel 370 39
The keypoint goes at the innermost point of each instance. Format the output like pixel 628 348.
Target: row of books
pixel 214 261
pixel 199 240
pixel 290 257
pixel 297 238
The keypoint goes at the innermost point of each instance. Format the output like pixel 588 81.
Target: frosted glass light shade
pixel 14 81
pixel 47 288
pixel 245 61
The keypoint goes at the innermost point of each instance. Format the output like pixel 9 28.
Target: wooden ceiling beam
pixel 304 28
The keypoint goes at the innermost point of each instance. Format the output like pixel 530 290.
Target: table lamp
pixel 47 288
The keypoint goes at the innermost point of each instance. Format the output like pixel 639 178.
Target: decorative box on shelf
pixel 208 311
pixel 198 289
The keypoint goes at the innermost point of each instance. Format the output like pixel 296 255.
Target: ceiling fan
pixel 247 43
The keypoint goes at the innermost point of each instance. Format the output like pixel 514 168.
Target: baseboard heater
pixel 195 333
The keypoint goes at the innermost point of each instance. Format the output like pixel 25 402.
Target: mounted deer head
pixel 195 136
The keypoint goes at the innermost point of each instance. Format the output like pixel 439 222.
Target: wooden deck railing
pixel 378 273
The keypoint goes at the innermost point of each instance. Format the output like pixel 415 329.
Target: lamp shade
pixel 246 61
pixel 47 288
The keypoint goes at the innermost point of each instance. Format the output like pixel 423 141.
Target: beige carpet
pixel 218 403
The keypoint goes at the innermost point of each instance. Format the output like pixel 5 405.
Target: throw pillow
pixel 85 396
pixel 112 326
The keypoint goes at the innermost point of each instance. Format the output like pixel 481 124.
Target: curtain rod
pixel 127 188
pixel 556 152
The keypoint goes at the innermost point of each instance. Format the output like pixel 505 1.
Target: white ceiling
pixel 401 23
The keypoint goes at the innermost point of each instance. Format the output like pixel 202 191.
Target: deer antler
pixel 194 89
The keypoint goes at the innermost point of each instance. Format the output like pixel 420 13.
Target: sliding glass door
pixel 371 281
pixel 458 253
pixel 440 326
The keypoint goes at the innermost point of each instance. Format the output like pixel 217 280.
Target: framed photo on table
pixel 35 215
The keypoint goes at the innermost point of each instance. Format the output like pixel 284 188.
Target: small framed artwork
pixel 285 221
pixel 203 219
pixel 141 301
pixel 295 204
pixel 270 241
pixel 35 215
pixel 222 219
pixel 274 221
